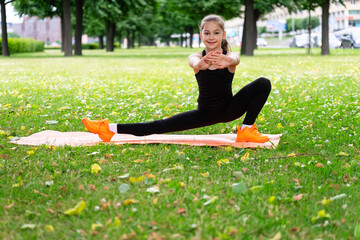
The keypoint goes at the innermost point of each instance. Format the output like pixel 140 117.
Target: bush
pixel 96 46
pixel 90 46
pixel 22 45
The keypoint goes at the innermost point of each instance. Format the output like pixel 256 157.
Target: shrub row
pixel 21 45
pixel 96 46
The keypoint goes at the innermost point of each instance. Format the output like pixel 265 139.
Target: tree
pixel 94 26
pixel 248 38
pixel 111 12
pixel 4 35
pixel 67 28
pixel 79 11
pixel 310 5
pixel 325 5
pixel 42 9
pixel 260 8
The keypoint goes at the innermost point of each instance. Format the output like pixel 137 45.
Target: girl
pixel 214 70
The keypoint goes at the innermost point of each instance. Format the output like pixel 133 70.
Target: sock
pixel 113 127
pixel 244 125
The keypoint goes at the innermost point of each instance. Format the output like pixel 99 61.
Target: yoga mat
pixel 55 138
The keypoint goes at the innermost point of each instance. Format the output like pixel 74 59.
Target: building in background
pixel 47 30
pixel 340 17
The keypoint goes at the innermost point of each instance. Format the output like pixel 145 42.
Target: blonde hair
pixel 220 21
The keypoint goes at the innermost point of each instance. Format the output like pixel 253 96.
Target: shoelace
pixel 255 130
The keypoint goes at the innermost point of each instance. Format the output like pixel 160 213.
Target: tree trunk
pixel 181 40
pixel 325 28
pixel 168 38
pixel 139 39
pixel 247 46
pixel 113 32
pixel 67 28
pixel 62 33
pixel 309 28
pixel 199 40
pixel 133 39
pixel 101 42
pixel 110 35
pixel 79 26
pixel 191 31
pixel 5 44
pixel 120 38
pixel 128 39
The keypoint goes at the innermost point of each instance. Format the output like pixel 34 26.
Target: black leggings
pixel 249 99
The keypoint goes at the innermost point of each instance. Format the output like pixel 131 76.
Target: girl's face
pixel 212 35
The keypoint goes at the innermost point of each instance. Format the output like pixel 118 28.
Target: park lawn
pixel 204 192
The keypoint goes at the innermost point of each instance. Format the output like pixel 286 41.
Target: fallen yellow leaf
pixel 130 201
pixel 222 161
pixel 19 184
pixel 135 180
pixel 271 199
pixel 245 157
pixel 95 168
pixel 77 209
pixel 206 174
pixel 277 236
pixel 326 202
pixel 49 228
pixel 255 188
pixel 117 222
pixel 95 226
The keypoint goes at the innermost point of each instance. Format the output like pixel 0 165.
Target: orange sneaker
pixel 100 127
pixel 250 135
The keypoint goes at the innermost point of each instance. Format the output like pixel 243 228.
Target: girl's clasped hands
pixel 215 60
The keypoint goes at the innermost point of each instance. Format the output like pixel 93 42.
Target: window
pixel 352 2
pixel 354 12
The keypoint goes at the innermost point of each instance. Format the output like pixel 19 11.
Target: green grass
pixel 314 103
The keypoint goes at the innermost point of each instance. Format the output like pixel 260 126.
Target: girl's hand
pixel 223 61
pixel 206 61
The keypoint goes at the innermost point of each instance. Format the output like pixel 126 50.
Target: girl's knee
pixel 264 83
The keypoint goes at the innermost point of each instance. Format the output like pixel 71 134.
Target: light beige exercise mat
pixel 55 138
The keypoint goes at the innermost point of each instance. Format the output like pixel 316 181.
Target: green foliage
pixel 261 30
pixel 39 8
pixel 12 35
pixel 90 46
pixel 23 45
pixel 301 23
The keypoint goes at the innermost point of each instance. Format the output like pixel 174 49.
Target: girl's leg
pixel 249 99
pixel 179 122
